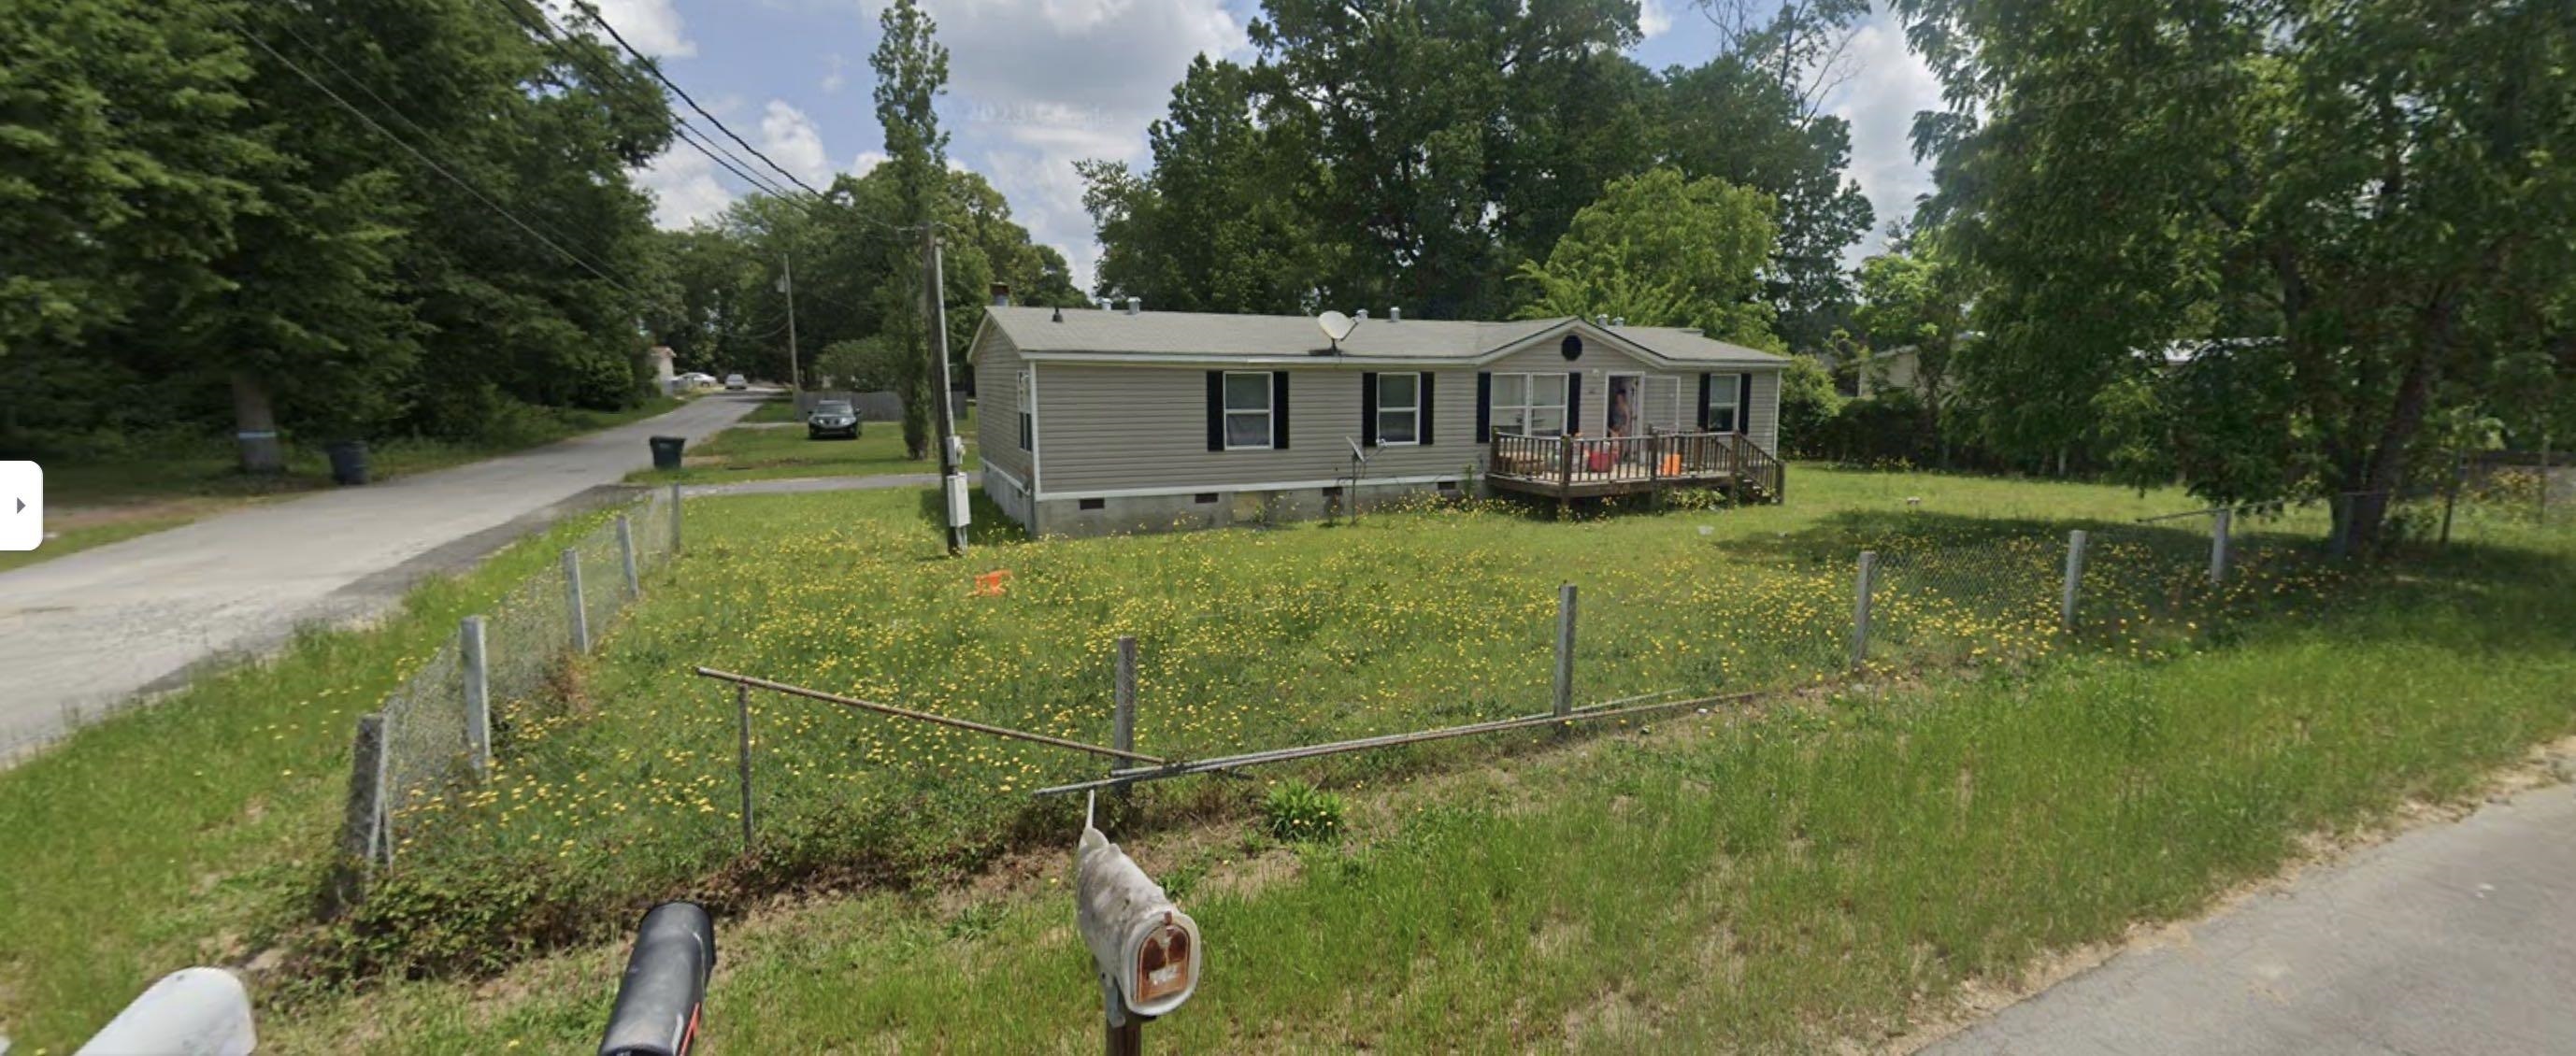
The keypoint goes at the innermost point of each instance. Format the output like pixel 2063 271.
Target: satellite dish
pixel 1336 327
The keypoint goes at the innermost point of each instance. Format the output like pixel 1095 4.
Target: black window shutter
pixel 1744 403
pixel 1279 409
pixel 1484 407
pixel 1216 410
pixel 1707 388
pixel 1573 401
pixel 1368 409
pixel 1422 422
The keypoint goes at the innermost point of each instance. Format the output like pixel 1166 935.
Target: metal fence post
pixel 2221 526
pixel 1564 651
pixel 742 711
pixel 2066 607
pixel 675 519
pixel 1860 608
pixel 1122 722
pixel 626 554
pixel 572 599
pixel 362 819
pixel 478 694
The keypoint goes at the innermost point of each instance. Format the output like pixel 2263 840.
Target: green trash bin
pixel 666 451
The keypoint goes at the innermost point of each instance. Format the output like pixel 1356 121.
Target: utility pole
pixel 952 476
pixel 787 285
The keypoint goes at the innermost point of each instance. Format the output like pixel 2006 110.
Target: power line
pixel 396 112
pixel 424 159
pixel 546 32
pixel 655 69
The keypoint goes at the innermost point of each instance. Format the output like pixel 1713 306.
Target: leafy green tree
pixel 2375 190
pixel 1808 405
pixel 1660 250
pixel 912 72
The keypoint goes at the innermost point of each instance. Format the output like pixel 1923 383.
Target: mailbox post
pixel 1145 950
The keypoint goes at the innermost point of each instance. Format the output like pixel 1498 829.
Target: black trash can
pixel 666 451
pixel 348 461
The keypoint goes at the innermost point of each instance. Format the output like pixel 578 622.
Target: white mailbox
pixel 192 1011
pixel 1147 950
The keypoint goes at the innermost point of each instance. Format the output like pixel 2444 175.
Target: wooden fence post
pixel 626 556
pixel 742 711
pixel 478 694
pixel 1860 608
pixel 2066 606
pixel 1564 651
pixel 572 600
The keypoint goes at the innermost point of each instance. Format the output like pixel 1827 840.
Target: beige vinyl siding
pixel 997 419
pixel 1106 428
pixel 1762 420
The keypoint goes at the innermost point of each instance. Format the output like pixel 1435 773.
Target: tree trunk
pixel 255 426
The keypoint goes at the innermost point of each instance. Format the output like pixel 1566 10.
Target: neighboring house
pixel 1098 421
pixel 1897 369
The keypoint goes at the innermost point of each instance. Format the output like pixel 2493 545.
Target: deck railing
pixel 1667 459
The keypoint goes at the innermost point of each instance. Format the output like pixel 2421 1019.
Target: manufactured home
pixel 1133 420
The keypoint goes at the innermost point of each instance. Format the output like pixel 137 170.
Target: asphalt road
pixel 90 631
pixel 2455 939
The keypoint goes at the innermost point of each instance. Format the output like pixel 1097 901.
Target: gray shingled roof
pixel 1207 335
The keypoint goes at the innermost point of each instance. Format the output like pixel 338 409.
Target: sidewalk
pixel 2454 939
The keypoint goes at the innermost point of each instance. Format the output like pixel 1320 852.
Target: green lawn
pixel 1825 867
pixel 96 502
pixel 1826 873
pixel 748 453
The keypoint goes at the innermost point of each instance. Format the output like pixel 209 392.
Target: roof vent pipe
pixel 1059 313
pixel 1395 315
pixel 1600 320
pixel 1135 305
pixel 1001 295
pixel 1619 321
pixel 1361 315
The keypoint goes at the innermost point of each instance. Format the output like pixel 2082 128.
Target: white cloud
pixel 1880 102
pixel 653 26
pixel 867 162
pixel 790 138
pixel 1040 84
pixel 684 188
pixel 1652 19
pixel 835 78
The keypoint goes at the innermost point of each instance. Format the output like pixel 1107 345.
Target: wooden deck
pixel 1565 468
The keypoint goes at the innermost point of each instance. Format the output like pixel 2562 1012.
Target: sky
pixel 1037 85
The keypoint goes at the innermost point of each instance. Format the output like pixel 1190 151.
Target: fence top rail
pixel 924 716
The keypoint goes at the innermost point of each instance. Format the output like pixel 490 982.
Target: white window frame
pixel 1269 407
pixel 1027 406
pixel 1528 407
pixel 1414 409
pixel 1725 391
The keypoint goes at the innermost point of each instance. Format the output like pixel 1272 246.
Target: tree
pixel 2371 192
pixel 912 72
pixel 1803 47
pixel 1808 404
pixel 1659 250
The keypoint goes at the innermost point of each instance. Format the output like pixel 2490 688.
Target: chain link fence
pixel 442 727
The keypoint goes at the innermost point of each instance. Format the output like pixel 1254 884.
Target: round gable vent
pixel 1572 347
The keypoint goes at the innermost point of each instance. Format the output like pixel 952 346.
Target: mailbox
pixel 664 989
pixel 192 1010
pixel 1147 951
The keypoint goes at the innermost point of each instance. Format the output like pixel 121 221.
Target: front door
pixel 1627 405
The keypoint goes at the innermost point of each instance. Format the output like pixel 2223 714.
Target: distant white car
pixel 696 380
pixel 736 383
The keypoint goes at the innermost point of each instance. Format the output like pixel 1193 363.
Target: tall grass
pixel 1820 874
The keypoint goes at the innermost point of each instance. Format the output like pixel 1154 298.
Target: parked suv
pixel 832 418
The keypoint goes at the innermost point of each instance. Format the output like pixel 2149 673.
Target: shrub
pixel 1297 812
